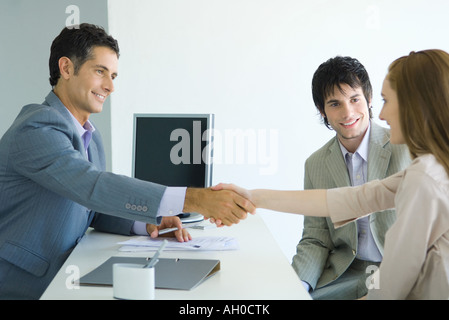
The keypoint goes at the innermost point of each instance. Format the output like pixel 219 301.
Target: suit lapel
pixel 336 165
pixel 53 101
pixel 93 152
pixel 378 157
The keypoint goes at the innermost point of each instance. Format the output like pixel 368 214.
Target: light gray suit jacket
pixel 324 253
pixel 50 194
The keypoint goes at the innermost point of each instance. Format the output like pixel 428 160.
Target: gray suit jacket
pixel 50 193
pixel 324 253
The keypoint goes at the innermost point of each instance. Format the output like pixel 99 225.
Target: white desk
pixel 256 271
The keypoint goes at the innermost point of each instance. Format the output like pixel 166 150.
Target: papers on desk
pixel 144 243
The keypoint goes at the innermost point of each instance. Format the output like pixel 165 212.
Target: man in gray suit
pixel 335 263
pixel 53 183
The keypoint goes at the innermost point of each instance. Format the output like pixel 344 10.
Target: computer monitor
pixel 173 149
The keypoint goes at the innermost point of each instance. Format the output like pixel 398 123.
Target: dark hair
pixel 333 73
pixel 76 43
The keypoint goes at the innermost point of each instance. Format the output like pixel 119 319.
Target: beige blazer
pixel 324 253
pixel 416 254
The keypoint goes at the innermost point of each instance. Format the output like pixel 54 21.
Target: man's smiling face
pixel 87 90
pixel 348 114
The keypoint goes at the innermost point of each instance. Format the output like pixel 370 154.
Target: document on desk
pixel 145 243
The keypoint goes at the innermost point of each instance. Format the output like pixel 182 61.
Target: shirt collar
pixel 88 126
pixel 363 148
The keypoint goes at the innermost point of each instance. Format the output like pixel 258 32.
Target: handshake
pixel 223 204
pixel 226 204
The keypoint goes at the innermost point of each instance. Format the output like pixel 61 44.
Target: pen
pixel 187 225
pixel 155 259
pixel 167 230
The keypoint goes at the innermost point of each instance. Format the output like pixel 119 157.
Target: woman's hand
pixel 229 186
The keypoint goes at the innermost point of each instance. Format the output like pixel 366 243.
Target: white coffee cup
pixel 132 282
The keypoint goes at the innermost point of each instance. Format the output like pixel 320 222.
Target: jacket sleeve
pixel 44 150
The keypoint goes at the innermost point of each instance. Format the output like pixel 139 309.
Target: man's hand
pixel 170 222
pixel 225 205
pixel 241 191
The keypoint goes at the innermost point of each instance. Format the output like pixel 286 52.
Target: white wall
pixel 251 63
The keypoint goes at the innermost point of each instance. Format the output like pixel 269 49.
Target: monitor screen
pixel 173 149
